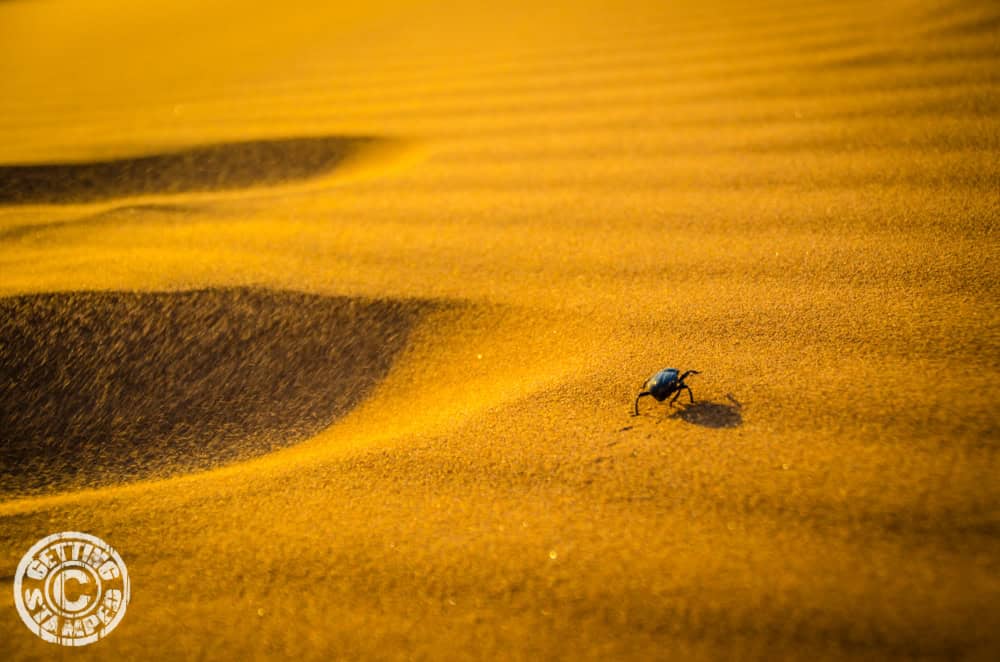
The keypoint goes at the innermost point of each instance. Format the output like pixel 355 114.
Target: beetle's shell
pixel 662 383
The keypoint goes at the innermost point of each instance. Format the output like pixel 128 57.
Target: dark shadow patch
pixel 712 414
pixel 114 215
pixel 224 166
pixel 974 26
pixel 99 388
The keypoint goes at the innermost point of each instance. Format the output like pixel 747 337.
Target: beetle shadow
pixel 710 414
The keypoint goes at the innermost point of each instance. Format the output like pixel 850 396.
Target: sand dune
pixel 204 168
pixel 432 454
pixel 112 387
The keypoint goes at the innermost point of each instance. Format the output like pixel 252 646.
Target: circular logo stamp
pixel 71 588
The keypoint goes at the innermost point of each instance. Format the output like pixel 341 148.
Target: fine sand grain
pixel 330 318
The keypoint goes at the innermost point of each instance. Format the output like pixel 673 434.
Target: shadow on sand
pixel 129 213
pixel 712 414
pixel 110 387
pixel 222 166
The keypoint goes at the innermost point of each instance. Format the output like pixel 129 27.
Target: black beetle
pixel 663 383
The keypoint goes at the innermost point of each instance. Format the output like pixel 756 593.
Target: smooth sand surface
pixel 401 268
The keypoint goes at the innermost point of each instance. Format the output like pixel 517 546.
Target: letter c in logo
pixel 59 589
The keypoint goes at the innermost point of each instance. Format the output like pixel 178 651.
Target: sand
pixel 387 279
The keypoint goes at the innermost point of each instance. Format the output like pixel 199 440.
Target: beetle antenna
pixel 644 393
pixel 689 372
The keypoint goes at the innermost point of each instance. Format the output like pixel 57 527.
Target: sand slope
pixel 110 387
pixel 797 199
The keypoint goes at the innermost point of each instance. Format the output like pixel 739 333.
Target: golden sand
pixel 797 199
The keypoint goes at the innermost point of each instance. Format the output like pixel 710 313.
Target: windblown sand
pixel 330 319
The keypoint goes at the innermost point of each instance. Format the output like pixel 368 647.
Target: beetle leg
pixel 690 394
pixel 674 399
pixel 644 393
